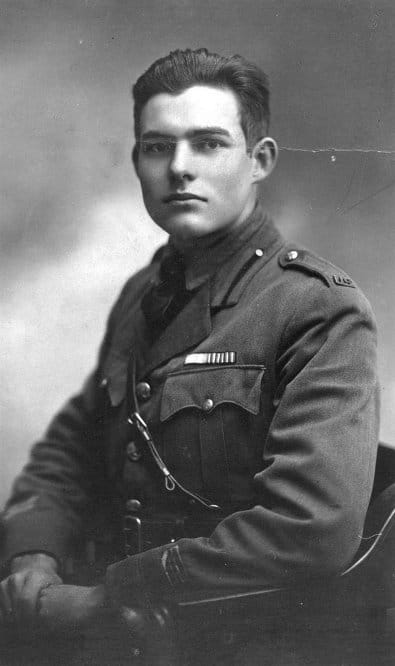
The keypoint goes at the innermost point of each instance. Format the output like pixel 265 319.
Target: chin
pixel 186 229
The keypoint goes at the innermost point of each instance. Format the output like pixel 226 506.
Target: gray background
pixel 72 223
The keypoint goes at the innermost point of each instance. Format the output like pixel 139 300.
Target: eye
pixel 208 145
pixel 157 147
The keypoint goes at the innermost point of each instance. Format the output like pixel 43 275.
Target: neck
pixel 192 246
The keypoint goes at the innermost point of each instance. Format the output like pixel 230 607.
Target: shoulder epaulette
pixel 307 262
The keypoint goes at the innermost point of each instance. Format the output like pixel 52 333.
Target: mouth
pixel 182 196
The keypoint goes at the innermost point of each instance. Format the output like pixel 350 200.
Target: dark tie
pixel 164 299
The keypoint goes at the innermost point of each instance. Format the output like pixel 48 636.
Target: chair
pixel 341 622
pixel 346 621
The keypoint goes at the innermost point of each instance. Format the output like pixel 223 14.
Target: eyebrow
pixel 201 131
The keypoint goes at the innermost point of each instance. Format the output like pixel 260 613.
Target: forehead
pixel 196 107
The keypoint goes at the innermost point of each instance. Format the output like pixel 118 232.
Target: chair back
pixel 371 576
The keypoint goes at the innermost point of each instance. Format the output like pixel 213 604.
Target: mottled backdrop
pixel 72 223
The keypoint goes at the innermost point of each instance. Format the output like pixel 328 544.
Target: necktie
pixel 164 299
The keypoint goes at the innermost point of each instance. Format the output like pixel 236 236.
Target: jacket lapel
pixel 186 330
pixel 193 323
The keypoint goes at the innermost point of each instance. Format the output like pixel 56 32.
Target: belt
pixel 142 533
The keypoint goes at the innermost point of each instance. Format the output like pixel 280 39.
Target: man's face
pixel 195 173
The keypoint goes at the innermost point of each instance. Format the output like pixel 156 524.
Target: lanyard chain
pixel 171 482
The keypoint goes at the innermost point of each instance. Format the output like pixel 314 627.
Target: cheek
pixel 150 179
pixel 233 174
pixel 231 186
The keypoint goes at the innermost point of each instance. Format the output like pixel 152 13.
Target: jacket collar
pixel 232 276
pixel 218 278
pixel 203 262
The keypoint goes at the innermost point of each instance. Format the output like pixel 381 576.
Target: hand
pixel 19 592
pixel 64 607
pixel 134 621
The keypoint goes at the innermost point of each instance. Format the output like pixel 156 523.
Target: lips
pixel 182 196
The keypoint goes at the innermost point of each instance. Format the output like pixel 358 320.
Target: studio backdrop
pixel 73 226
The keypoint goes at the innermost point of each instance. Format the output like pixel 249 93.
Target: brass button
pixel 133 506
pixel 104 383
pixel 259 252
pixel 132 452
pixel 143 391
pixel 291 255
pixel 208 405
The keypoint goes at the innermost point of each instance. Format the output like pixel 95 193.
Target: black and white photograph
pixel 197 313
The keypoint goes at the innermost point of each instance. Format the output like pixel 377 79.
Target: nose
pixel 181 165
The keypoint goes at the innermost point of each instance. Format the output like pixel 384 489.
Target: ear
pixel 135 159
pixel 264 155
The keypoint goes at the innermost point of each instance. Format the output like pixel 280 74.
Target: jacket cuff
pixel 144 578
pixel 44 534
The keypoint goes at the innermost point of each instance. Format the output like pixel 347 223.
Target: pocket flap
pixel 206 388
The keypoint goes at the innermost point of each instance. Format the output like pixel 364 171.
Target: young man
pixel 233 409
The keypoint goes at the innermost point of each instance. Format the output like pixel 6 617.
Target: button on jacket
pixel 261 395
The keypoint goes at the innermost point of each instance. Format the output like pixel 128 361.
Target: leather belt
pixel 142 533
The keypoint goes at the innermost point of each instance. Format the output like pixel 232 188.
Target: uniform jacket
pixel 282 433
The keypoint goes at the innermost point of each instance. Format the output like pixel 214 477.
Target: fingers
pixel 134 620
pixel 20 594
pixel 18 598
pixel 52 608
pixel 25 597
pixel 70 606
pixel 27 601
pixel 33 600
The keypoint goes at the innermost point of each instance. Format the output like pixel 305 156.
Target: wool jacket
pixel 261 395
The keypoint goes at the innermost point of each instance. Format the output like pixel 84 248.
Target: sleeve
pixel 317 472
pixel 49 498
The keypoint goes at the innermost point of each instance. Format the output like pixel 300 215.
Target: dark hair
pixel 182 69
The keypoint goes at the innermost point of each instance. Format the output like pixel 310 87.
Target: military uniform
pixel 261 395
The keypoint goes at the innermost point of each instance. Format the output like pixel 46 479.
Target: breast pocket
pixel 208 417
